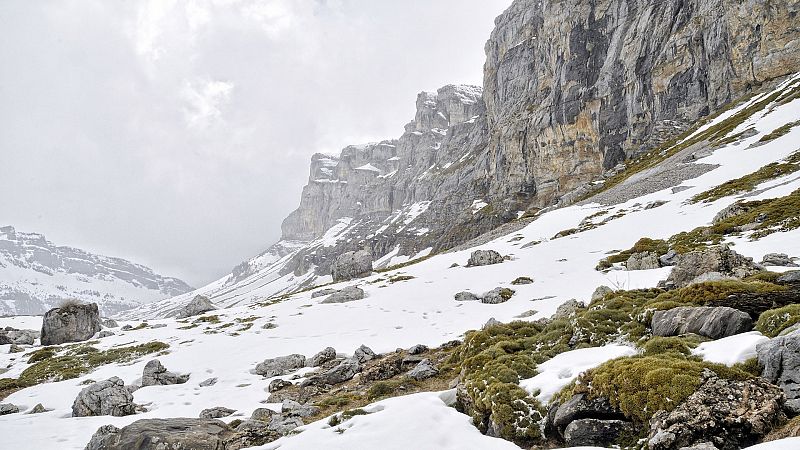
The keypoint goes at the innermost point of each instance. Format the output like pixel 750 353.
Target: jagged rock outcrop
pixel 164 434
pixel 74 322
pixel 712 322
pixel 104 398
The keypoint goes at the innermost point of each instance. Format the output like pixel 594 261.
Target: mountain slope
pixel 36 275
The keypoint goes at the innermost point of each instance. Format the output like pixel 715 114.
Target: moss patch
pixel 749 182
pixel 771 323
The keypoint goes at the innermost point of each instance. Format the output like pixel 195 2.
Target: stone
pixel 385 369
pixel 668 259
pixel 780 358
pixel 729 414
pixel 596 432
pixel 601 292
pixel 155 374
pixel 104 334
pixel 348 294
pixel 778 259
pixel 567 309
pixel 712 322
pixel 198 305
pixel 424 370
pixel 104 398
pixel 284 424
pixel 110 323
pixel 710 277
pixel 789 277
pixel 293 408
pixel 263 414
pixel 38 409
pixel 282 365
pixel 717 258
pixel 8 408
pixel 417 349
pixel 490 323
pixel 522 281
pixel 216 412
pixel 325 355
pixel 466 296
pixel 581 407
pixel 363 354
pixel 21 337
pixel 164 434
pixel 278 384
pixel 208 382
pixel 74 322
pixel 14 348
pixel 484 258
pixel 322 292
pixel 352 265
pixel 642 261
pixel 126 327
pixel 342 372
pixel 251 433
pixel 701 446
pixel 497 295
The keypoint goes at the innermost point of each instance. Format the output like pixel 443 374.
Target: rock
pixel 325 355
pixel 322 292
pixel 669 259
pixel 216 412
pixel 780 358
pixel 158 325
pixel 14 348
pixel 293 408
pixel 21 337
pixel 104 333
pixel 712 322
pixel 717 258
pixel 778 259
pixel 284 424
pixel 789 277
pixel 263 414
pixel 251 433
pixel 4 340
pixel 198 305
pixel 38 409
pixel 701 446
pixel 384 369
pixel 642 261
pixel 484 258
pixel 342 372
pixel 418 349
pixel 424 370
pixel 595 432
pixel 164 434
pixel 363 354
pixel 278 384
pixel 71 323
pixel 348 294
pixel 497 295
pixel 601 292
pixel 729 414
pixel 466 296
pixel 580 407
pixel 8 408
pixel 155 374
pixel 490 323
pixel 269 326
pixel 126 327
pixel 104 398
pixel 710 277
pixel 522 280
pixel 282 365
pixel 567 309
pixel 110 323
pixel 352 265
pixel 208 382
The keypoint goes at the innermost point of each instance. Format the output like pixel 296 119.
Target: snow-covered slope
pixel 417 310
pixel 36 275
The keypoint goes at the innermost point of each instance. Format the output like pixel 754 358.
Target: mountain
pixel 559 112
pixel 36 275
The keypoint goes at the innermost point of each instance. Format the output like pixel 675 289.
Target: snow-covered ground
pixel 419 310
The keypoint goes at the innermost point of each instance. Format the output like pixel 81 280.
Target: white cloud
pixel 204 101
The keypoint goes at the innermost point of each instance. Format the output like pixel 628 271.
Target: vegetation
pixel 645 244
pixel 397 278
pixel 749 182
pixel 522 280
pixel 771 323
pixel 346 415
pixel 780 131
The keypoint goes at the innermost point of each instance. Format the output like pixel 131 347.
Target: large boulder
pixel 579 407
pixel 717 258
pixel 165 434
pixel 642 261
pixel 104 398
pixel 352 265
pixel 778 259
pixel 424 370
pixel 325 355
pixel 155 374
pixel 596 432
pixel 348 294
pixel 74 322
pixel 198 305
pixel 780 358
pixel 282 365
pixel 484 258
pixel 363 354
pixel 712 322
pixel 8 408
pixel 342 372
pixel 729 414
pixel 19 337
pixel 497 295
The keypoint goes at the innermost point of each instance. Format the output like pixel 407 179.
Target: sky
pixel 178 133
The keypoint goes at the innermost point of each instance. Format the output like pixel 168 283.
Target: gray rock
pixel 484 258
pixel 104 398
pixel 642 261
pixel 490 323
pixel 14 348
pixel 710 277
pixel 293 408
pixel 601 292
pixel 8 408
pixel 418 349
pixel 712 322
pixel 669 259
pixel 348 294
pixel 198 305
pixel 363 354
pixel 342 372
pixel 497 295
pixel 216 412
pixel 790 277
pixel 701 446
pixel 596 432
pixel 717 258
pixel 263 414
pixel 325 355
pixel 424 370
pixel 164 434
pixel 567 309
pixel 778 259
pixel 71 323
pixel 284 424
pixel 126 327
pixel 278 384
pixel 21 337
pixel 466 296
pixel 155 374
pixel 580 407
pixel 105 333
pixel 110 323
pixel 282 365
pixel 251 433
pixel 352 265
pixel 322 292
pixel 780 358
pixel 38 409
pixel 208 382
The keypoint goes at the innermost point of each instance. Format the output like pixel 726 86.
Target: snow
pixel 732 349
pixel 559 371
pixel 478 205
pixel 368 167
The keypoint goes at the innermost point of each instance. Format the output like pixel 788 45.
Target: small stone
pixel 208 382
pixel 363 354
pixel 216 412
pixel 8 408
pixel 417 349
pixel 484 258
pixel 424 370
pixel 466 296
pixel 38 409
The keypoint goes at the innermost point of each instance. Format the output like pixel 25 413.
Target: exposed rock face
pixel 596 432
pixel 780 358
pixel 197 306
pixel 713 322
pixel 164 434
pixel 718 258
pixel 155 374
pixel 72 323
pixel 352 265
pixel 282 365
pixel 642 261
pixel 579 407
pixel 728 414
pixel 348 294
pixel 104 398
pixel 778 259
pixel 484 258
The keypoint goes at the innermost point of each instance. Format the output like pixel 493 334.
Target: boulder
pixel 342 372
pixel 790 277
pixel 491 323
pixel 424 370
pixel 21 337
pixel 348 294
pixel 642 261
pixel 208 382
pixel 497 295
pixel 668 259
pixel 729 414
pixel 717 258
pixel 322 292
pixel 522 280
pixel 293 408
pixel 164 434
pixel 484 258
pixel 263 414
pixel 778 259
pixel 38 409
pixel 104 398
pixel 712 322
pixel 581 407
pixel 216 412
pixel 4 340
pixel 325 355
pixel 567 309
pixel 110 323
pixel 278 384
pixel 466 296
pixel 14 348
pixel 104 333
pixel 352 265
pixel 709 277
pixel 780 358
pixel 596 432
pixel 386 368
pixel 8 408
pixel 418 349
pixel 284 424
pixel 251 433
pixel 363 354
pixel 70 323
pixel 601 292
pixel 155 374
pixel 198 305
pixel 282 365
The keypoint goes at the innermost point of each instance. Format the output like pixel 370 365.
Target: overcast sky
pixel 177 134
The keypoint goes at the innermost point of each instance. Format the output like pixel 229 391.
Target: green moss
pixel 749 182
pixel 344 416
pixel 659 345
pixel 764 275
pixel 207 319
pixel 41 354
pixel 522 280
pixel 383 389
pixel 780 131
pixel 397 278
pixel 750 366
pixel 771 323
pixel 645 244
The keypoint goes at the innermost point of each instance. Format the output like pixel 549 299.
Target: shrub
pixel 772 322
pixel 658 345
pixel 41 354
pixel 645 244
